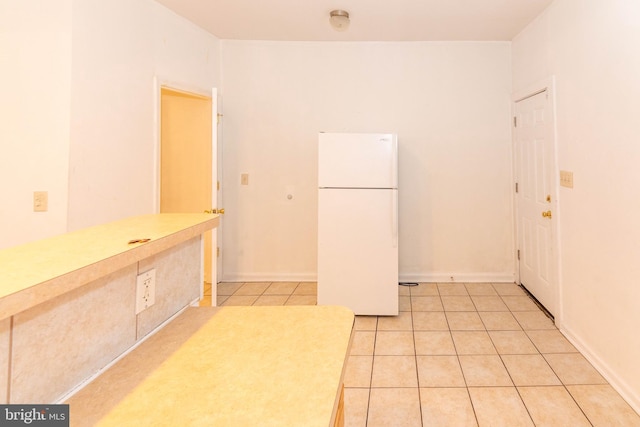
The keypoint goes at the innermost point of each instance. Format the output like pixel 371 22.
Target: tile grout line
pixel 415 355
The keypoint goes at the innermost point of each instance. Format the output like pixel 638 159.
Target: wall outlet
pixel 145 290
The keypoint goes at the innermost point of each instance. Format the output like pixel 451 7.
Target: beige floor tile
pixel 473 342
pixel 242 300
pixel 512 342
pixel 573 368
pixel 281 288
pixel 433 343
pixel 356 406
pixel 520 303
pixel 480 289
pixel 306 288
pixel 228 288
pixel 499 321
pixel 427 303
pixel 489 303
pixel 271 300
pixel 424 289
pixel 603 406
pixel 457 303
pixel 394 407
pixel 221 299
pixel 366 323
pixel 394 371
pixel 447 407
pixel 484 371
pixel 404 291
pixel 401 322
pixel 439 371
pixel 529 370
pixel 464 321
pixel 301 300
pixel 531 320
pixel 404 303
pixel 499 407
pixel 430 321
pixel 394 343
pixel 252 288
pixel 552 406
pixel 358 372
pixel 508 289
pixel 452 289
pixel 363 343
pixel 551 341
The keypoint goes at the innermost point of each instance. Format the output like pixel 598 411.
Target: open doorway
pixel 188 165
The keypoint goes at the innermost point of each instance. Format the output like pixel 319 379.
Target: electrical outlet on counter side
pixel 145 290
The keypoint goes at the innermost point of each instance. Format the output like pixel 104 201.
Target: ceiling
pixel 371 20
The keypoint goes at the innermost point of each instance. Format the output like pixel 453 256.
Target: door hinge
pixel 217 252
pixel 218 117
pixel 515 121
pixel 218 185
pixel 518 254
pixel 516 187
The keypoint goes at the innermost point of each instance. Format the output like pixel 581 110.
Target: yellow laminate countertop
pixel 39 271
pixel 230 366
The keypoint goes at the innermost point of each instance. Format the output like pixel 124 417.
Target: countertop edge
pixel 31 296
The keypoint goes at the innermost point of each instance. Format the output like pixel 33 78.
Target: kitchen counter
pixel 230 366
pixel 39 271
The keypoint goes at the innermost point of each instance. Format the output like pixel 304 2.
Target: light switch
pixel 40 201
pixel 244 179
pixel 566 179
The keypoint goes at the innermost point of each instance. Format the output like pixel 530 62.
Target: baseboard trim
pixel 411 277
pixel 268 277
pixel 614 379
pixel 459 277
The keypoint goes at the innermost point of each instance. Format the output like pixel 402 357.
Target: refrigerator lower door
pixel 358 250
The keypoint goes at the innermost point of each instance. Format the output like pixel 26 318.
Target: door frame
pixel 160 82
pixel 548 85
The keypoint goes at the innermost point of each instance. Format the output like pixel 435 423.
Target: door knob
pixel 546 214
pixel 215 211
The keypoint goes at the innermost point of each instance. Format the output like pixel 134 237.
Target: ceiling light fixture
pixel 339 20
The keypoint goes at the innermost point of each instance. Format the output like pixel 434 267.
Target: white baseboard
pixel 458 277
pixel 614 379
pixel 269 277
pixel 412 277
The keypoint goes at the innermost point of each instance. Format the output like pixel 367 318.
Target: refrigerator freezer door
pixel 357 160
pixel 358 250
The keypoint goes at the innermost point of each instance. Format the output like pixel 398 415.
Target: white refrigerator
pixel 358 222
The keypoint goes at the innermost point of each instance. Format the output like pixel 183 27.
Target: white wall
pixel 78 106
pixel 35 71
pixel 118 48
pixel 450 105
pixel 591 47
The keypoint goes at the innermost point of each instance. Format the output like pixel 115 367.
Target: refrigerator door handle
pixel 394 218
pixel 394 163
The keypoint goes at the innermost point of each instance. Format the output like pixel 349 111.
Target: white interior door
pixel 217 196
pixel 536 197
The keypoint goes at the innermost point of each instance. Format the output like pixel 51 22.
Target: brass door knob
pixel 546 214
